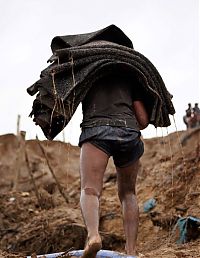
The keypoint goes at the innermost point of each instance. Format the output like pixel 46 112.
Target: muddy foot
pixel 92 248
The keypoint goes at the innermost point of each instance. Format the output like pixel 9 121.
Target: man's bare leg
pixel 126 178
pixel 93 163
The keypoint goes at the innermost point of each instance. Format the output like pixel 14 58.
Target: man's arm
pixel 141 114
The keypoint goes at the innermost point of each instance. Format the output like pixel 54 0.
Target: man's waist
pixel 126 122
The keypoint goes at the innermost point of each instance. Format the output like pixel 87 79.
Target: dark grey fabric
pixel 111 33
pixel 65 83
pixel 110 102
pixel 107 132
pixel 123 143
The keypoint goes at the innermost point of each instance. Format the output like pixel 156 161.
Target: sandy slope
pixel 38 219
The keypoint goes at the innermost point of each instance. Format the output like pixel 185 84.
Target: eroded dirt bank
pixel 40 215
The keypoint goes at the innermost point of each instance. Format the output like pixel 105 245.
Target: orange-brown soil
pixel 36 218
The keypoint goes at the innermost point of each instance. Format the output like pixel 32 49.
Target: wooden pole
pixel 18 124
pixel 20 155
pixel 63 133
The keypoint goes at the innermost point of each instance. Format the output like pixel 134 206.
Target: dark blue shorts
pixel 122 143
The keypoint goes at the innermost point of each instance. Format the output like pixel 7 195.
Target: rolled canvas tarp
pixel 80 60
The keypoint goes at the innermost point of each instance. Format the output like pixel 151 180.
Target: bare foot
pixel 92 247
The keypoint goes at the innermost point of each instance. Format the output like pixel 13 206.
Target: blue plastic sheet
pixel 149 205
pixel 79 253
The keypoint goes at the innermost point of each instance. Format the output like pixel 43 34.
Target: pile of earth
pixel 40 190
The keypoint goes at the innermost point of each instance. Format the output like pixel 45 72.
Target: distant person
pixel 188 116
pixel 196 109
pixel 196 114
pixel 189 110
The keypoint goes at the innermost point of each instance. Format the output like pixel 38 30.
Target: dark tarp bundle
pixel 77 62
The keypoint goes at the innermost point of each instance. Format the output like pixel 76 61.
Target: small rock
pixel 25 194
pixel 12 199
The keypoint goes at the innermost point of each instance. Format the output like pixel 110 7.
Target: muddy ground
pixel 40 189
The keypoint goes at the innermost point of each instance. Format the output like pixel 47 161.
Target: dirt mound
pixel 39 197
